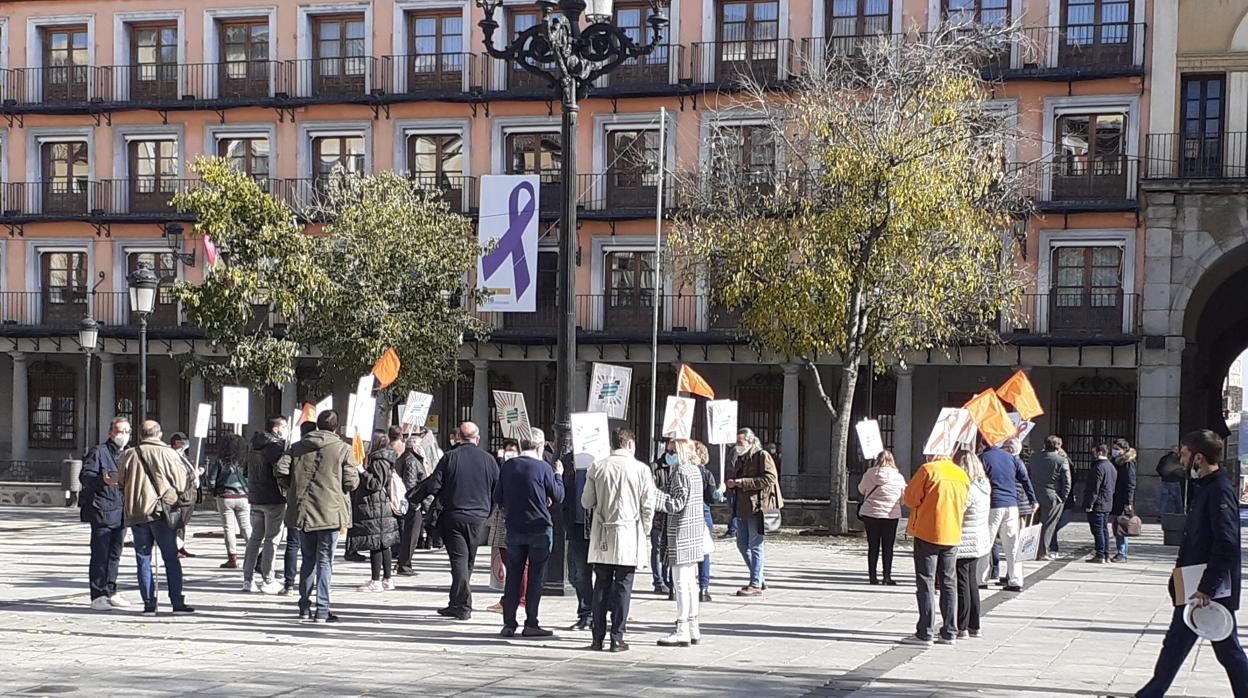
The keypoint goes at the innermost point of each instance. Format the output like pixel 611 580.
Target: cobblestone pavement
pixel 820 631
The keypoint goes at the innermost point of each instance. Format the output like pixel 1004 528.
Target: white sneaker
pixel 387 584
pixel 250 587
pixel 100 603
pixel 118 601
pixel 272 587
pixel 373 587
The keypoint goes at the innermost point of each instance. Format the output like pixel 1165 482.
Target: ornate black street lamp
pixel 570 57
pixel 88 339
pixel 143 287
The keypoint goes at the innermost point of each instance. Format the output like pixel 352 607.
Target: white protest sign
pixel 326 404
pixel 203 415
pixel 954 426
pixel 608 390
pixel 512 414
pixel 591 437
pixel 721 421
pixel 235 405
pixel 364 418
pixel 869 439
pixel 291 428
pixel 1022 427
pixel 350 414
pixel 508 224
pixel 415 411
pixel 678 417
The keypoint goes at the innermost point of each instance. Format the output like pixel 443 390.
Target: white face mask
pixel 121 438
pixel 741 450
pixel 508 455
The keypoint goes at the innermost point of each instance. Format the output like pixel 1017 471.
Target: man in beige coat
pixel 149 474
pixel 620 493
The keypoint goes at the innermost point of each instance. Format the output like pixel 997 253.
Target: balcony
pixel 432 75
pixel 766 61
pixel 458 191
pixel 141 197
pixel 1076 315
pixel 345 79
pixel 620 315
pixel 1213 156
pixel 61 309
pixel 656 71
pixel 70 199
pixel 618 194
pixel 61 88
pixel 1069 184
pixel 1085 51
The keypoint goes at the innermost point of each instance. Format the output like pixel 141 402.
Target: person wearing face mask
pixel 268 505
pixel 661 471
pixel 1098 500
pixel 1211 536
pixel 180 445
pixel 757 484
pixel 100 505
pixel 1124 492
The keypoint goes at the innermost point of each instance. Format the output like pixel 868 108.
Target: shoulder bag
pixel 858 513
pixel 1129 525
pixel 173 516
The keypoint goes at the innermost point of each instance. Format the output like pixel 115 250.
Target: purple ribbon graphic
pixel 511 244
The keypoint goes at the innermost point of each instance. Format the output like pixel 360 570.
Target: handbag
pixel 1129 525
pixel 771 520
pixel 173 516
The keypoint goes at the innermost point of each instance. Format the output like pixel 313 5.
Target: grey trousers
pixel 1051 507
pixel 931 560
pixel 235 516
pixel 266 526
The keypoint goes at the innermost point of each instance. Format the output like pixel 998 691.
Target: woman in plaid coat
pixel 686 541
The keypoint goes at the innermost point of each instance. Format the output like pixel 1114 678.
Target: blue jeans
pixel 750 543
pixel 532 549
pixel 290 561
pixel 704 567
pixel 1099 521
pixel 1178 644
pixel 318 558
pixel 1123 543
pixel 1171 500
pixel 106 544
pixel 164 538
pixel 658 566
pixel 731 498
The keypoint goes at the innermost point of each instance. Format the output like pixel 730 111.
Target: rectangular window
pixel 66 177
pixel 749 32
pixel 858 18
pixel 332 152
pixel 63 278
pixel 65 71
pixel 541 154
pixel 746 154
pixel 126 377
pixel 244 69
pixel 436 59
pixel 339 56
pixel 1087 290
pixel 1092 163
pixel 651 69
pixel 436 161
pixel 153 175
pixel 633 176
pixel 165 266
pixel 1096 33
pixel 630 296
pixel 154 62
pixel 246 154
pixel 519 77
pixel 53 405
pixel 1203 105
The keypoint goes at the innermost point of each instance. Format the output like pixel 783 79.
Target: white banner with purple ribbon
pixel 508 273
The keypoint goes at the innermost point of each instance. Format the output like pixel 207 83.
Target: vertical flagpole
pixel 658 281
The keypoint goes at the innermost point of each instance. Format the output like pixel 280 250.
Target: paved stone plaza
pixel 1078 630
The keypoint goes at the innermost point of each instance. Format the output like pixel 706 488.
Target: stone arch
pixel 1239 42
pixel 1214 325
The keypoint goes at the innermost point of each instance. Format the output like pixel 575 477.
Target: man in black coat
pixel 411 469
pixel 577 521
pixel 463 484
pixel 1211 537
pixel 101 506
pixel 1098 501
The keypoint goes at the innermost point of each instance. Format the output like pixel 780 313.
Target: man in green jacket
pixel 319 476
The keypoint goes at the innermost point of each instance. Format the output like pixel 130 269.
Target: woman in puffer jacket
pixel 373 527
pixel 976 542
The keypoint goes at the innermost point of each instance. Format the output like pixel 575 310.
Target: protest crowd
pixel 978 515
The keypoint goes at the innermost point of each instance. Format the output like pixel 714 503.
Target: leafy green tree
pixel 884 231
pixel 384 264
pixel 396 261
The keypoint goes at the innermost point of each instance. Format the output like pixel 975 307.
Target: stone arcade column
pixel 108 396
pixel 903 421
pixel 790 406
pixel 481 399
pixel 20 407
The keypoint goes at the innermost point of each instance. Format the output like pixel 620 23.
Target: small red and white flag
pixel 210 252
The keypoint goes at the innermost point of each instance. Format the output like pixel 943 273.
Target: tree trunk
pixel 840 449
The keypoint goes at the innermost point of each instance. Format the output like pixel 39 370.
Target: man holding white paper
pixel 1210 538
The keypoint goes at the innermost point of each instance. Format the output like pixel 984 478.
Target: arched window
pixel 53 405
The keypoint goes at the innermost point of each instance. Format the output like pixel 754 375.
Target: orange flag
pixel 690 382
pixel 357 449
pixel 990 416
pixel 387 368
pixel 307 414
pixel 1019 392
